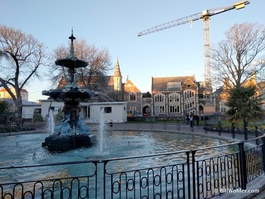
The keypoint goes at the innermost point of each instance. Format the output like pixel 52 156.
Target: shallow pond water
pixel 25 149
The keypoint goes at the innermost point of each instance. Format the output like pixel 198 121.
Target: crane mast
pixel 205 17
pixel 207 52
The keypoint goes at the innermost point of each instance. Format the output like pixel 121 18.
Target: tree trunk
pixel 19 107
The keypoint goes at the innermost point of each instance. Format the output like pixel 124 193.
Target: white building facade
pixel 115 112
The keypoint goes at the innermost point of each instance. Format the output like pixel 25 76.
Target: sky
pixel 114 25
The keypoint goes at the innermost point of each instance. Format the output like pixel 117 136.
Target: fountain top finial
pixel 72 38
pixel 71 61
pixel 72 50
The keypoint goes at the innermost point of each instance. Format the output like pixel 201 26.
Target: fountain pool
pixel 25 149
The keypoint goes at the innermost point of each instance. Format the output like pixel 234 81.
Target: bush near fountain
pixel 225 126
pixel 15 128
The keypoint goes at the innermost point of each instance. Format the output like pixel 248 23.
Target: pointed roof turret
pixel 117 72
pixel 227 85
pixel 253 75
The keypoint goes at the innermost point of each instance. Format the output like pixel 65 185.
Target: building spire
pixel 253 76
pixel 72 50
pixel 117 72
pixel 117 77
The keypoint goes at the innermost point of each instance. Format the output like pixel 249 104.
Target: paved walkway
pixel 198 130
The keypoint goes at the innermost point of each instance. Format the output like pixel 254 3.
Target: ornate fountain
pixel 72 133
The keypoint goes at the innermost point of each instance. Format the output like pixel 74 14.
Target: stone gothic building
pixel 172 96
pixel 180 95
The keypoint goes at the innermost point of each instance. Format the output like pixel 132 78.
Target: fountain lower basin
pixel 59 143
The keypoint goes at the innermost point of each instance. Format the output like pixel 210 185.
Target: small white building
pixel 115 112
pixel 29 108
pixel 48 104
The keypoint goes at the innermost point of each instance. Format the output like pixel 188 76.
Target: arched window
pixel 190 100
pixel 159 104
pixel 132 97
pixel 174 103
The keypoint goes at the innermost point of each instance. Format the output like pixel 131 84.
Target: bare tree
pixel 91 77
pixel 22 55
pixel 236 57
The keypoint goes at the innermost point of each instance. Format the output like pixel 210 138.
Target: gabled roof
pixel 222 89
pixel 189 84
pixel 161 83
pixel 261 85
pixel 130 87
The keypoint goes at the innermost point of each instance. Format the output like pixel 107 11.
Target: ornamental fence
pixel 182 174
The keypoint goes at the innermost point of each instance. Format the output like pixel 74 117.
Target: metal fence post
pixel 243 166
pixel 263 153
pixel 100 185
pixel 193 173
pixel 188 172
pixel 97 179
pixel 233 130
pixel 256 135
pixel 245 130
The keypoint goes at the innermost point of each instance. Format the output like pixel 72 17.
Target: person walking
pixel 191 117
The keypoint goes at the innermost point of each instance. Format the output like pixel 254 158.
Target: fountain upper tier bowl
pixel 71 63
pixel 66 94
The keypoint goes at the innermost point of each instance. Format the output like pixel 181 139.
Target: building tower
pixel 117 78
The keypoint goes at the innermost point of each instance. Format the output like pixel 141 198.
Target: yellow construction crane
pixel 205 16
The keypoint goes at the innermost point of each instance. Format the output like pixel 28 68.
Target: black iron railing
pixel 182 174
pixel 59 180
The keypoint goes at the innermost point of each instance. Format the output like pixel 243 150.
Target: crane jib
pixel 205 16
pixel 201 15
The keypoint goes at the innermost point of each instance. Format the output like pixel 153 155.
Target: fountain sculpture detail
pixel 72 132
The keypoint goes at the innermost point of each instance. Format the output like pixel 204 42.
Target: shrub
pixel 37 117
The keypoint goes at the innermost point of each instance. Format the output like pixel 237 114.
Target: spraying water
pixel 51 123
pixel 101 131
